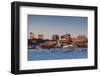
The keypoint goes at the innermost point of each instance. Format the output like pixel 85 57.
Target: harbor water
pixel 57 53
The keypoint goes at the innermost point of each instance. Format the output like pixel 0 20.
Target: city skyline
pixel 49 25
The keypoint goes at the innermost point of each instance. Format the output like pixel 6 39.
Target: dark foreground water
pixel 57 53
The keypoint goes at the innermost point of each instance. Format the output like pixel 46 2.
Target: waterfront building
pixel 40 36
pixel 68 38
pixel 55 37
pixel 48 44
pixel 80 41
pixel 33 36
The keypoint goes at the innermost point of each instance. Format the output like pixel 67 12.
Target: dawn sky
pixel 48 25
